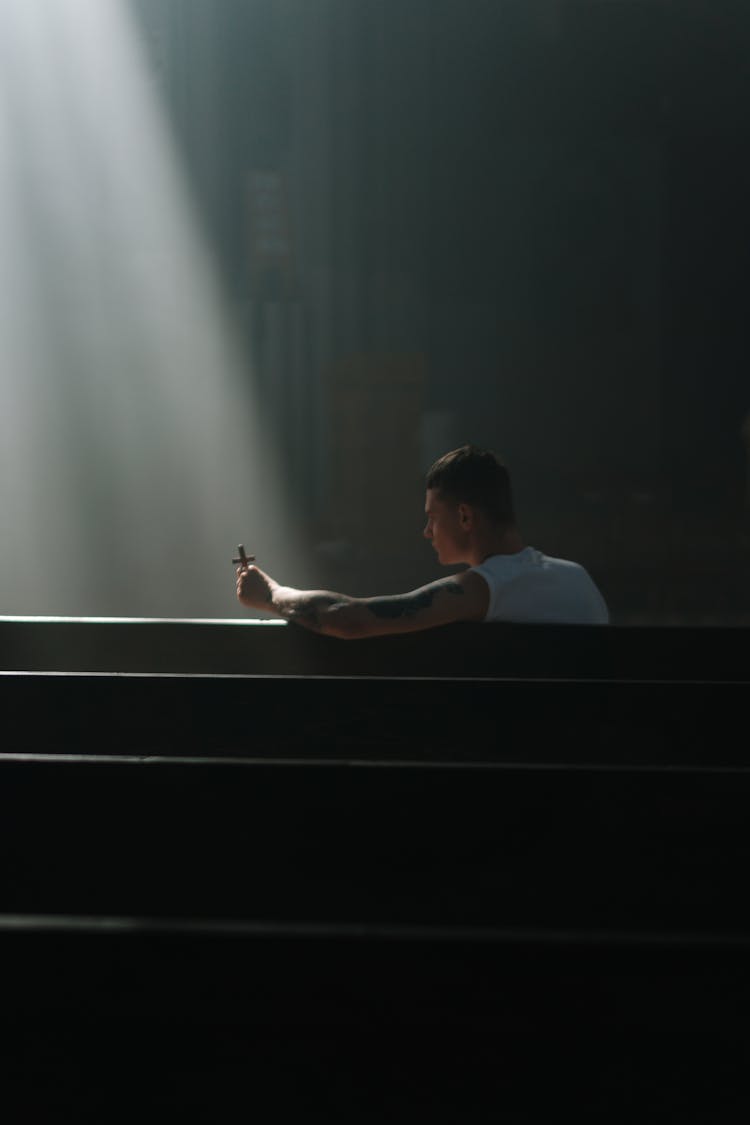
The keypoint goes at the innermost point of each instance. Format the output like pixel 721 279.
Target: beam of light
pixel 132 457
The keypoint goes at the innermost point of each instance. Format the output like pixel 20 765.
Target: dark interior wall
pixel 545 199
pixel 497 188
pixel 546 303
pixel 706 234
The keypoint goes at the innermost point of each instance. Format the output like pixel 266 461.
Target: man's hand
pixel 254 588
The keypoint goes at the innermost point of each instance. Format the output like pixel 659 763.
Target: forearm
pixel 337 615
pixel 317 610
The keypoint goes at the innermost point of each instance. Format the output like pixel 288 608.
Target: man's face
pixel 445 528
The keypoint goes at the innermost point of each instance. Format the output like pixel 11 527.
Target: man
pixel 470 520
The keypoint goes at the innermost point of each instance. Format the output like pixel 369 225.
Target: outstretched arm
pixel 462 597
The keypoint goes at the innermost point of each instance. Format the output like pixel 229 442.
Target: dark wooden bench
pixel 565 652
pixel 564 853
pixel 464 693
pixel 554 848
pixel 151 906
pixel 380 718
pixel 105 1016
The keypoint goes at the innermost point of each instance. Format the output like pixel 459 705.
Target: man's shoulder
pixel 561 565
pixel 475 591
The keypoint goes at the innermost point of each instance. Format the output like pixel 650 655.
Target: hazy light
pixel 132 460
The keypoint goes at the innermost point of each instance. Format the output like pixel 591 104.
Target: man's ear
pixel 466 517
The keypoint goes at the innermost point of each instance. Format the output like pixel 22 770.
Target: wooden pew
pixel 373 718
pixel 108 1016
pixel 159 906
pixel 462 693
pixel 558 848
pixel 168 900
pixel 274 648
pixel 169 977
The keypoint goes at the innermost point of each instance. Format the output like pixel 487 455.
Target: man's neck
pixel 508 541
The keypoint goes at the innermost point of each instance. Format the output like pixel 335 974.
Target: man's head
pixel 468 503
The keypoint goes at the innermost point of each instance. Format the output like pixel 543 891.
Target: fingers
pixel 248 580
pixel 243 575
pixel 240 585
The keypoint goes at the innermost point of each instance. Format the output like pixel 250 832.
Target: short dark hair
pixel 469 475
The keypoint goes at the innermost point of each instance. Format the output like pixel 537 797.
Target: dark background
pixel 521 223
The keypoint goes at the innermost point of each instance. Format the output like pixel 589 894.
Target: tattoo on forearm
pixel 310 610
pixel 308 613
pixel 408 606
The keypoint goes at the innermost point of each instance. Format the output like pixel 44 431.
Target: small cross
pixel 243 559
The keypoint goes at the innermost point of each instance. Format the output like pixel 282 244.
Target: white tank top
pixel 531 587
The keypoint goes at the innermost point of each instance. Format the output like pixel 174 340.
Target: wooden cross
pixel 243 559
